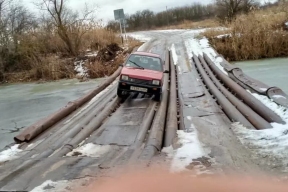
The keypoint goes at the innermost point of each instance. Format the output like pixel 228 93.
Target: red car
pixel 142 72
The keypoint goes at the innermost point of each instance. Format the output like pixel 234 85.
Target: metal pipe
pixel 145 127
pixel 73 127
pixel 131 155
pixel 90 128
pixel 37 128
pixel 155 139
pixel 94 124
pixel 172 124
pixel 249 99
pixel 74 130
pixel 228 108
pixel 254 118
pixel 180 99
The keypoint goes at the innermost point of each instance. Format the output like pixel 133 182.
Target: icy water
pixel 23 104
pixel 273 72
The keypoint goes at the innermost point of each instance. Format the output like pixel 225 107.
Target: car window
pixel 147 62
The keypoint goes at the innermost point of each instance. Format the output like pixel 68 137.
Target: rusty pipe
pixel 39 127
pixel 257 121
pixel 155 139
pixel 231 111
pixel 172 124
pixel 180 99
pixel 249 99
pixel 94 124
pixel 89 128
pixel 73 130
pixel 145 127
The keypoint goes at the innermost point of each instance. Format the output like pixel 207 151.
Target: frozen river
pixel 272 72
pixel 23 104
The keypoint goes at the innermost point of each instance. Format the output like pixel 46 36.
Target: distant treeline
pixel 147 19
pixel 223 10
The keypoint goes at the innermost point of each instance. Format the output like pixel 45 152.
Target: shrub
pixel 260 34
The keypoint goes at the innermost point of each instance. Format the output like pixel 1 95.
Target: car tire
pixel 119 93
pixel 157 97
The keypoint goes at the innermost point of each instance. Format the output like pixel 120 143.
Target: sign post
pixel 120 16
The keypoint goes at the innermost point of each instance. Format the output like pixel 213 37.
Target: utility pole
pixel 121 32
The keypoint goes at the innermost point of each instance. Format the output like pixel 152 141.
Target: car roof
pixel 145 54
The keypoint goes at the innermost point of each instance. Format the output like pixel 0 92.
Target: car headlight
pixel 125 77
pixel 156 82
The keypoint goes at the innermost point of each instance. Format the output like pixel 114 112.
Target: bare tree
pixel 70 25
pixel 228 9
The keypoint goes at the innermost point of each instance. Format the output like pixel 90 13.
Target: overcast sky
pixel 106 7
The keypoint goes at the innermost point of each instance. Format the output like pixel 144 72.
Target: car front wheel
pixel 119 93
pixel 157 97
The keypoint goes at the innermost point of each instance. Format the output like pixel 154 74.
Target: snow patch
pixel 91 150
pixel 189 118
pixel 179 70
pixel 190 150
pixel 139 37
pixel 63 185
pixel 92 54
pixel 263 89
pixel 205 46
pixel 279 110
pixel 271 143
pixel 81 70
pixel 174 54
pixel 198 47
pixel 10 154
pixel 279 96
pixel 224 35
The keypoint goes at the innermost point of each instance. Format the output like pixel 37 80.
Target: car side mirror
pixel 166 71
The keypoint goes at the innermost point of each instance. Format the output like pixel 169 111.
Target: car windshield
pixel 145 62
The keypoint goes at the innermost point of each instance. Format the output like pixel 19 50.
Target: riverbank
pixel 259 34
pixel 89 65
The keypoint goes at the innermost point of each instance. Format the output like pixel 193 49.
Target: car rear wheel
pixel 157 97
pixel 119 93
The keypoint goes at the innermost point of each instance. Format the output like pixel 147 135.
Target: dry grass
pixel 98 69
pixel 193 25
pixel 48 69
pixel 99 38
pixel 260 34
pixel 45 57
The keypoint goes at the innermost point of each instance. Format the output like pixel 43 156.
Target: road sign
pixel 119 14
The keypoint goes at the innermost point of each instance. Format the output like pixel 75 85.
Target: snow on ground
pixel 201 46
pixel 190 151
pixel 139 36
pixel 269 143
pixel 224 35
pixel 90 150
pixel 81 69
pixel 279 96
pixel 63 185
pixel 10 154
pixel 91 54
pixel 92 101
pixel 174 54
